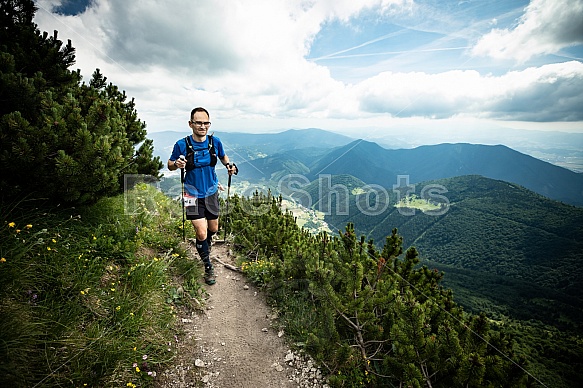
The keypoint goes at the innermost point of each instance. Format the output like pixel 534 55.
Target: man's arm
pixel 225 161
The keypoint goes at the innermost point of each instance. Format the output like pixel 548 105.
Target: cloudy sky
pixel 346 65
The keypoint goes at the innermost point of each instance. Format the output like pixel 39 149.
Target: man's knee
pixel 200 227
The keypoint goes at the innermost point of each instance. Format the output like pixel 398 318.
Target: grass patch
pixel 84 292
pixel 414 202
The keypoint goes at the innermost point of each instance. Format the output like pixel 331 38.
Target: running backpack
pixel 190 162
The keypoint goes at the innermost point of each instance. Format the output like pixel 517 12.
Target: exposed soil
pixel 233 340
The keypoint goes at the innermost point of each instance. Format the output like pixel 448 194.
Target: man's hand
pixel 231 168
pixel 180 162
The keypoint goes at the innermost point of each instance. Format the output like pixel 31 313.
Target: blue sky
pixel 436 38
pixel 369 66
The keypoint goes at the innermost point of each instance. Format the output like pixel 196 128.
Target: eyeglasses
pixel 201 123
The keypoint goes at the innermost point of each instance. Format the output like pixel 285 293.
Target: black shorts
pixel 204 208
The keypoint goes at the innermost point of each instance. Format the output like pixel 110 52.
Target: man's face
pixel 199 130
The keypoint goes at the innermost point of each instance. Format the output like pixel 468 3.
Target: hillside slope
pixel 490 229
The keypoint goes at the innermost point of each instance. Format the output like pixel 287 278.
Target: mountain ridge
pixel 376 165
pixel 312 152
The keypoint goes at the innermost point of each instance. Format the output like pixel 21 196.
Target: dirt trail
pixel 232 342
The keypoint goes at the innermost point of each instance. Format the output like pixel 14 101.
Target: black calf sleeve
pixel 202 247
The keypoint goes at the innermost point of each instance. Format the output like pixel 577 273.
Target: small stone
pixel 199 363
pixel 245 287
pixel 265 330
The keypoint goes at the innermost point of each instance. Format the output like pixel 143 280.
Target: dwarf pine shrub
pixel 373 317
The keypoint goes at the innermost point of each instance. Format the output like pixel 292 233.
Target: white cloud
pixel 546 27
pixel 548 93
pixel 246 58
pixel 246 62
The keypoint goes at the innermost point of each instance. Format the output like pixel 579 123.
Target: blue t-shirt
pixel 202 181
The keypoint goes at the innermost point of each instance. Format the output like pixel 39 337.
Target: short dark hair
pixel 199 109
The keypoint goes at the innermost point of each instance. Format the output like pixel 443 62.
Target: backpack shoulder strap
pixel 188 144
pixel 212 151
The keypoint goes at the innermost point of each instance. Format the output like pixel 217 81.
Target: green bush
pixel 373 318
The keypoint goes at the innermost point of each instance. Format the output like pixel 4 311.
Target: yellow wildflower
pixel 137 369
pixel 28 226
pixel 118 308
pixel 2 260
pixel 11 225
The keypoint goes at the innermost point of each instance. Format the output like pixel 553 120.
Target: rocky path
pixel 233 342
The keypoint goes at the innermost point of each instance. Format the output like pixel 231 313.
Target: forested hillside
pixel 335 290
pixel 499 231
pixel 83 269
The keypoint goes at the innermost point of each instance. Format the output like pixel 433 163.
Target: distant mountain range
pixel 312 152
pixel 246 146
pixel 503 237
pixel 373 164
